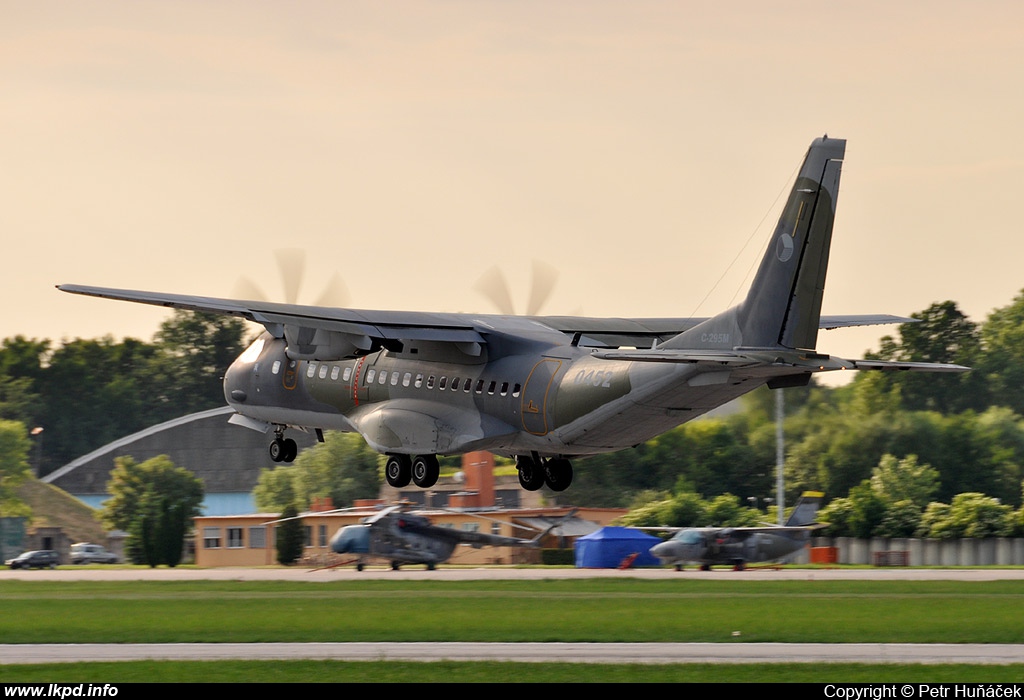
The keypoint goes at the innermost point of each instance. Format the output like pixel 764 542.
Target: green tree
pixel 901 519
pixel 868 510
pixel 275 489
pixel 14 467
pixel 196 350
pixel 155 502
pixel 342 468
pixel 969 515
pixel 941 334
pixel 95 391
pixel 904 480
pixel 838 514
pixel 685 509
pixel 291 536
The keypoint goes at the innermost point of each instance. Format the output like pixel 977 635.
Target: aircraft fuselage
pixel 558 400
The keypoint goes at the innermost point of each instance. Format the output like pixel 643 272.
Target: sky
pixel 638 148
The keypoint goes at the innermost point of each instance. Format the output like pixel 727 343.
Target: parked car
pixel 36 559
pixel 85 553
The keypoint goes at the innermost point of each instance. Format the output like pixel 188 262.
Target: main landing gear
pixel 283 449
pixel 535 471
pixel 422 470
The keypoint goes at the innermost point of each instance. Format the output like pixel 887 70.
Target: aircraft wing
pixel 360 331
pixel 329 333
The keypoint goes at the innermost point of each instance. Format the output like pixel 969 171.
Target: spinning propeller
pixel 494 286
pixel 291 263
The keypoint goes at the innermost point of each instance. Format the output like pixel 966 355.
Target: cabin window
pixel 455 384
pixel 480 386
pixel 311 370
pixel 276 367
pixel 419 381
pixel 442 383
pixel 347 375
pixel 370 375
pixel 394 379
pixel 467 385
pixel 490 388
pixel 516 390
pixel 383 377
pixel 504 388
pixel 323 371
pixel 335 371
pixel 406 379
pixel 430 382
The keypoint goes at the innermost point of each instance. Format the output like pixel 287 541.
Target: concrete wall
pixel 961 552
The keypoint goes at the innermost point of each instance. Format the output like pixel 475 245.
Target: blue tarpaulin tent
pixel 610 546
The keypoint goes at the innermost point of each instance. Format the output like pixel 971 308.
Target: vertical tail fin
pixel 806 510
pixel 783 305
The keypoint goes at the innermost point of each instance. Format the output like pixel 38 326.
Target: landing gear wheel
pixel 558 474
pixel 425 471
pixel 291 450
pixel 277 450
pixel 283 450
pixel 398 471
pixel 531 474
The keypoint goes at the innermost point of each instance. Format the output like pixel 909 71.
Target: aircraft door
pixel 535 396
pixel 360 391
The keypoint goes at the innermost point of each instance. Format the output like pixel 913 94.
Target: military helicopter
pixel 402 536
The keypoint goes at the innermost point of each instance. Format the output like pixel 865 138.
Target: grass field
pixel 597 610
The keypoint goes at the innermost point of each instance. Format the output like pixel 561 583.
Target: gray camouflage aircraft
pixel 541 389
pixel 739 546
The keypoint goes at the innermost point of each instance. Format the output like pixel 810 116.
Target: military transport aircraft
pixel 541 389
pixel 739 546
pixel 405 537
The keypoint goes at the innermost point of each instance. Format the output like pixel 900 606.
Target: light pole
pixel 37 433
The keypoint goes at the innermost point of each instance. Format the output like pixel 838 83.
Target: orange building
pixel 472 502
pixel 249 540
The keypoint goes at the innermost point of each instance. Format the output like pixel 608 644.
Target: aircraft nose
pixel 662 549
pixel 353 539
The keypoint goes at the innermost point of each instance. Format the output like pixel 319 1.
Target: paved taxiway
pixel 418 573
pixel 525 652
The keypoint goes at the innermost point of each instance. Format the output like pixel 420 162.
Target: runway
pixel 655 653
pixel 642 653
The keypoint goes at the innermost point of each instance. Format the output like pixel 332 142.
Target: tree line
pixel 84 393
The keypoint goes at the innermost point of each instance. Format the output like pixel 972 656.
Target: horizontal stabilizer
pixel 806 362
pixel 909 366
